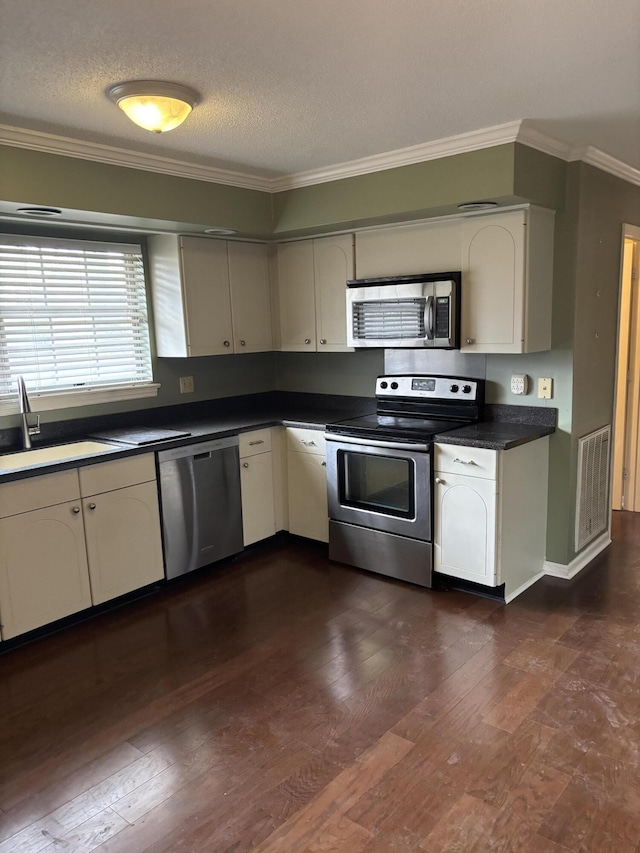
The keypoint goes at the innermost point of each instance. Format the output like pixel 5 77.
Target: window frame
pixel 63 398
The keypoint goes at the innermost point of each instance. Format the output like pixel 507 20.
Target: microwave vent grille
pixel 394 319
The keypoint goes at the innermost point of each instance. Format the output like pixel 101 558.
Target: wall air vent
pixel 592 500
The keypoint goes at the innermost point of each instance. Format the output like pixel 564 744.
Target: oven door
pixel 380 485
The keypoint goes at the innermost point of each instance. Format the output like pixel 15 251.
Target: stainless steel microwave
pixel 404 311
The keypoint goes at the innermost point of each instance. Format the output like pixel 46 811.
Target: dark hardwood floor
pixel 288 704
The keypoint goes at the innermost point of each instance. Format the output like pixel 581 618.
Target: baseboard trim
pixel 559 570
pixel 524 586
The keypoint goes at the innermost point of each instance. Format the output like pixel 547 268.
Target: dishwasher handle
pixel 201 450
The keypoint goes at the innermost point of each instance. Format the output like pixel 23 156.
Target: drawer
pixel 38 492
pixel 306 440
pixel 470 461
pixel 108 476
pixel 255 442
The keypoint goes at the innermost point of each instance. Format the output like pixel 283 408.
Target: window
pixel 73 321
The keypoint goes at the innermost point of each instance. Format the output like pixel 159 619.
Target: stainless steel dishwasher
pixel 201 504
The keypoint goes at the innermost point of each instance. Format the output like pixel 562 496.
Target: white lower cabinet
pixel 43 567
pixel 101 541
pixel 307 480
pixel 122 530
pixel 490 514
pixel 257 486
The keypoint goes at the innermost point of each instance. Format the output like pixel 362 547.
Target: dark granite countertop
pixel 495 435
pixel 214 419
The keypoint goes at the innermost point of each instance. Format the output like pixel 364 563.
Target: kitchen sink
pixel 57 453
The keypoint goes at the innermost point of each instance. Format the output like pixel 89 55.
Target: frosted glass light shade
pixel 154 105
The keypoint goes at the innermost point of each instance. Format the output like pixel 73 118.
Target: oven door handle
pixel 385 445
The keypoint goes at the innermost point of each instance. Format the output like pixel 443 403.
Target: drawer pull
pixel 323 464
pixel 465 461
pixel 242 343
pixel 253 443
pixel 438 480
pixel 75 510
pixel 92 506
pixel 245 464
pixel 307 340
pixel 227 343
pixel 471 340
pixel 308 443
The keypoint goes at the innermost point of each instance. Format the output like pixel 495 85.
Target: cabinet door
pixel 123 540
pixel 333 266
pixel 493 283
pixel 256 481
pixel 465 510
pixel 43 568
pixel 408 249
pixel 296 293
pixel 207 301
pixel 308 512
pixel 250 297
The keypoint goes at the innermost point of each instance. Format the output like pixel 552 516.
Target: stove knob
pixel 384 384
pixel 394 385
pixel 466 389
pixel 453 388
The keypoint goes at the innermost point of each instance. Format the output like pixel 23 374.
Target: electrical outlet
pixel 186 384
pixel 545 388
pixel 519 383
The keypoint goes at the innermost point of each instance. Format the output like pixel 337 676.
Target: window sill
pixel 50 400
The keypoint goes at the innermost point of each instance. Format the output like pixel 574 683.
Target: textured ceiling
pixel 290 85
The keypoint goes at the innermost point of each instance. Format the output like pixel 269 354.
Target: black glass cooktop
pixel 393 427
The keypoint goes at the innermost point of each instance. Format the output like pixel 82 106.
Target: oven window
pixel 383 484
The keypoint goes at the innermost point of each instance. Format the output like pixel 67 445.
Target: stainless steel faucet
pixel 25 409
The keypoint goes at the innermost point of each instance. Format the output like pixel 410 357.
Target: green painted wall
pixel 351 373
pixel 33 177
pixel 406 192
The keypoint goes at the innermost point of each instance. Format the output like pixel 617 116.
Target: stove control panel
pixel 427 387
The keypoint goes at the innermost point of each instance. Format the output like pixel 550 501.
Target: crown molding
pixel 517 131
pixel 49 143
pixel 597 158
pixel 459 144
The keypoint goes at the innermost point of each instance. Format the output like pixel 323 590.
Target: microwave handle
pixel 428 318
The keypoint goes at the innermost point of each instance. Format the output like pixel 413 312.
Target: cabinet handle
pixel 307 340
pixel 75 510
pixel 323 340
pixel 438 480
pixel 227 343
pixel 242 343
pixel 253 443
pixel 323 464
pixel 245 464
pixel 308 443
pixel 464 461
pixel 471 340
pixel 92 506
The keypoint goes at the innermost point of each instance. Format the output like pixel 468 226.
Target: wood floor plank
pixel 280 702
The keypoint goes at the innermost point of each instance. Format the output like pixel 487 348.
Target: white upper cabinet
pixel 210 297
pixel 312 276
pixel 408 249
pixel 250 297
pixel 507 277
pixel 296 292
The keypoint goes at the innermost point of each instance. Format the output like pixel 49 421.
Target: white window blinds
pixel 73 315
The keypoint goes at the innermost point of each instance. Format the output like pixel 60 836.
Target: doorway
pixel 626 445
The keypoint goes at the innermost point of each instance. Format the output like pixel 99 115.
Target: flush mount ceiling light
pixel 477 205
pixel 221 231
pixel 153 104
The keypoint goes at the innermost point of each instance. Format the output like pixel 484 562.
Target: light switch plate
pixel 519 383
pixel 186 385
pixel 545 388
